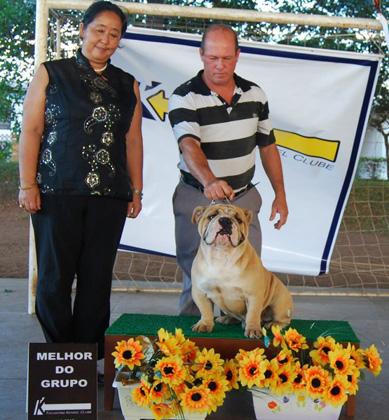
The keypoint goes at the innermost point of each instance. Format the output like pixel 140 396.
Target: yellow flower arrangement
pixel 172 375
pixel 326 372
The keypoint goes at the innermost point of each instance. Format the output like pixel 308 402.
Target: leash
pixel 225 200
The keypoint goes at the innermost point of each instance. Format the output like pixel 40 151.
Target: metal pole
pixel 41 28
pixel 230 14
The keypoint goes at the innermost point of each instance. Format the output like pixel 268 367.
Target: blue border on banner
pixel 299 56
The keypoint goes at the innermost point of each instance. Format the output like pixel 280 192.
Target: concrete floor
pixel 369 318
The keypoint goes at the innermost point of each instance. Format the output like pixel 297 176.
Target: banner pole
pixel 40 51
pixel 230 14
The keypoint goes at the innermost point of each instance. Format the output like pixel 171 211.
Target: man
pixel 218 119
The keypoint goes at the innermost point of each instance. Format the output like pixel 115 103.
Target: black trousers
pixel 76 236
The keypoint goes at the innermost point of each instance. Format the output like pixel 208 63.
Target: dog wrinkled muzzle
pixel 226 224
pixel 222 231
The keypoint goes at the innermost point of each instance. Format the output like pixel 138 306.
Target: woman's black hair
pixel 103 6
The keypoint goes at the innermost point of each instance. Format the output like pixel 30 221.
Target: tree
pixel 16 56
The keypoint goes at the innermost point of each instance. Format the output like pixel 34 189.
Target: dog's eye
pixel 211 216
pixel 238 219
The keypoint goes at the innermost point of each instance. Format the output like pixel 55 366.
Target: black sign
pixel 62 381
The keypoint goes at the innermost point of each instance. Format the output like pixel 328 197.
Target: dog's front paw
pixel 203 326
pixel 253 331
pixel 227 320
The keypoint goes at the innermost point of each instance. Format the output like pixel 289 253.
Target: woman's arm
pixel 30 139
pixel 134 144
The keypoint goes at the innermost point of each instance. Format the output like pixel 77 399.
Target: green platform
pixel 148 325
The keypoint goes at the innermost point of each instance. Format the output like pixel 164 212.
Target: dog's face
pixel 222 224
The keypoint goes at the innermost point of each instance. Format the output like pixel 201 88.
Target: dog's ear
pixel 197 213
pixel 248 214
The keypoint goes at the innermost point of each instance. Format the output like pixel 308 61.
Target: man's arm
pixel 271 162
pixel 197 163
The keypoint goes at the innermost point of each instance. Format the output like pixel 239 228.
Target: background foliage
pixel 17 21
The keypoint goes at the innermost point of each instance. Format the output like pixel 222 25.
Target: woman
pixel 80 175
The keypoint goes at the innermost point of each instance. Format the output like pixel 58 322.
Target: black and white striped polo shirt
pixel 228 134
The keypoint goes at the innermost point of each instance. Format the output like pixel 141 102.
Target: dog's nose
pixel 225 223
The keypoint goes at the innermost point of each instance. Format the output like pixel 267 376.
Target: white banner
pixel 319 104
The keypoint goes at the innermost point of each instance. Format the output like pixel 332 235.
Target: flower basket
pixel 290 378
pixel 168 378
pixel 291 407
pixel 132 411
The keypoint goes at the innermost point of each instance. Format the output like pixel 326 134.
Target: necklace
pixel 100 70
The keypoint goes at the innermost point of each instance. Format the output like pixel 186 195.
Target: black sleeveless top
pixel 83 149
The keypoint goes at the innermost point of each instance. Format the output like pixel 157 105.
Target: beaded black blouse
pixel 87 115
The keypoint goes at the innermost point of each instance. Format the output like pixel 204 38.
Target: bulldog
pixel 228 272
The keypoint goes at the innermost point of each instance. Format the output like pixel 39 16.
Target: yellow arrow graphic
pixel 310 146
pixel 159 103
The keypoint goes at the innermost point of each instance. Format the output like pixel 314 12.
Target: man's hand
pixel 218 190
pixel 279 206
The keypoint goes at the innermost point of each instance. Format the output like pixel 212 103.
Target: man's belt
pixel 192 181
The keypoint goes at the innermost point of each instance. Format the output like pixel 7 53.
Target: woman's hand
pixel 134 206
pixel 30 199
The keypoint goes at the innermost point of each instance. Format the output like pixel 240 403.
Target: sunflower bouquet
pixel 325 373
pixel 172 377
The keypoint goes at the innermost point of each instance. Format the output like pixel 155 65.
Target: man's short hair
pixel 219 27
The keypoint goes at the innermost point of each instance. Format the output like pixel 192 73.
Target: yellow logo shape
pixel 310 146
pixel 159 103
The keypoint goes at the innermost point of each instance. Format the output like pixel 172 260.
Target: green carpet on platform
pixel 148 325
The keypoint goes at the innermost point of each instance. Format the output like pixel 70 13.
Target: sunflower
pixel 340 360
pixel 195 399
pixel 167 343
pixel 323 346
pixel 278 339
pixel 170 370
pixel 179 335
pixel 241 355
pixel 140 395
pixel 128 353
pixel 284 357
pixel 357 355
pixel 188 351
pixel 231 372
pixel 336 393
pixel 317 381
pixel 164 410
pixel 373 360
pixel 159 392
pixel 217 391
pixel 270 369
pixel 180 388
pixel 282 382
pixel 295 340
pixel 258 352
pixel 352 381
pixel 208 363
pixel 298 382
pixel 250 370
